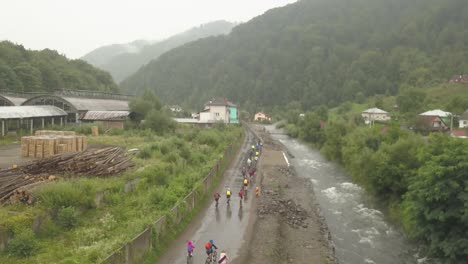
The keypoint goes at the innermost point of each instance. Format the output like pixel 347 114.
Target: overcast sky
pixel 76 27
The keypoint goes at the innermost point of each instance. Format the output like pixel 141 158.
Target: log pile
pixel 15 183
pixel 93 162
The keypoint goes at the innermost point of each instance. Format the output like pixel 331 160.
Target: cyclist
pixel 223 258
pixel 216 197
pixel 228 194
pixel 246 182
pixel 241 193
pixel 252 172
pixel 244 170
pixel 249 162
pixel 209 249
pixel 190 248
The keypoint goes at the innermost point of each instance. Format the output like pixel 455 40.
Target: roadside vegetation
pixel 84 219
pixel 421 177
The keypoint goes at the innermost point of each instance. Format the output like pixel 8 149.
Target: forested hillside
pixel 123 60
pixel 25 70
pixel 316 52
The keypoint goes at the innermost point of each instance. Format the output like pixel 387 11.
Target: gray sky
pixel 77 27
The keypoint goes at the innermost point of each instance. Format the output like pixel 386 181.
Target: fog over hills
pixel 122 60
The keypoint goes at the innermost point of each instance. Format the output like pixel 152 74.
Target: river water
pixel 359 230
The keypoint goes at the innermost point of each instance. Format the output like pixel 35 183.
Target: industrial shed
pixel 107 119
pixel 6 100
pixel 14 118
pixel 77 107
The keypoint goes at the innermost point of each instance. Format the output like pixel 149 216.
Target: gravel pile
pixel 292 213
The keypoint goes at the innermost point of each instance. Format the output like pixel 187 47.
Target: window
pixel 216 114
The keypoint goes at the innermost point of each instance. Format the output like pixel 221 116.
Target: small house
pixel 260 116
pixel 375 114
pixel 107 119
pixel 434 120
pixel 463 120
pixel 219 110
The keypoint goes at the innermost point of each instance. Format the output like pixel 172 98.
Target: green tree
pixel 437 199
pixel 29 76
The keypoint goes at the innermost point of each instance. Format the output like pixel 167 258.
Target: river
pixel 359 230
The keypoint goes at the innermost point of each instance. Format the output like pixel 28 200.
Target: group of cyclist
pixel 210 248
pixel 252 159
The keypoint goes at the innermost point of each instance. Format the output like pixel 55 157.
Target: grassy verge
pixel 79 231
pixel 165 241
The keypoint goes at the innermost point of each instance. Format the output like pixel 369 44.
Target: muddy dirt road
pixel 282 225
pixel 227 225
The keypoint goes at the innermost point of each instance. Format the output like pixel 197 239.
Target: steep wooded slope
pixel 317 52
pixel 23 70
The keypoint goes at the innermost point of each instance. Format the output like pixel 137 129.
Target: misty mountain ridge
pixel 316 52
pixel 122 60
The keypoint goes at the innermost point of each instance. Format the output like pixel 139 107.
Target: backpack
pixel 208 245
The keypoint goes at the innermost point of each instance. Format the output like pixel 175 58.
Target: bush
pixel 208 137
pixel 24 244
pixel 67 194
pixel 66 217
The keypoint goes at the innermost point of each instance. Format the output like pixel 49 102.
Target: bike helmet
pixel 211 241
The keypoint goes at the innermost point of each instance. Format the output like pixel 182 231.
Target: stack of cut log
pixel 94 162
pixel 15 185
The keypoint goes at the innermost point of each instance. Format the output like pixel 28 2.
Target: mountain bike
pixel 213 259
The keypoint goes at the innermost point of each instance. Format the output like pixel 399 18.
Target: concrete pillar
pixel 53 120
pixel 77 118
pixel 61 121
pixel 32 125
pixel 42 119
pixel 3 128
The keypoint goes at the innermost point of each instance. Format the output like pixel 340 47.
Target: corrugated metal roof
pixel 187 120
pixel 15 112
pixel 15 100
pixel 92 104
pixel 106 115
pixel 436 112
pixel 84 104
pixel 375 111
pixel 464 116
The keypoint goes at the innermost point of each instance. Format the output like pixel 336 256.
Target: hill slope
pixel 102 55
pixel 317 52
pixel 122 60
pixel 24 70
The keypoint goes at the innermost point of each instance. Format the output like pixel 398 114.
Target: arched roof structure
pixel 78 104
pixel 6 100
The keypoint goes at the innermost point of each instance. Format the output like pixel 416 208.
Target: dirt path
pixel 283 225
pixel 288 226
pixel 227 225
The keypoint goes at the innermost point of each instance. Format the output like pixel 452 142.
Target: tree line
pixel 23 70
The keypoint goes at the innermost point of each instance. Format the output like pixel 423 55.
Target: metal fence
pixel 150 238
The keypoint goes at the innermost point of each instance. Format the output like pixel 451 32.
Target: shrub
pixel 66 217
pixel 66 194
pixel 24 244
pixel 144 153
pixel 208 137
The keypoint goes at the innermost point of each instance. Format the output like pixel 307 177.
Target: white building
pixel 260 116
pixel 463 121
pixel 216 110
pixel 375 114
